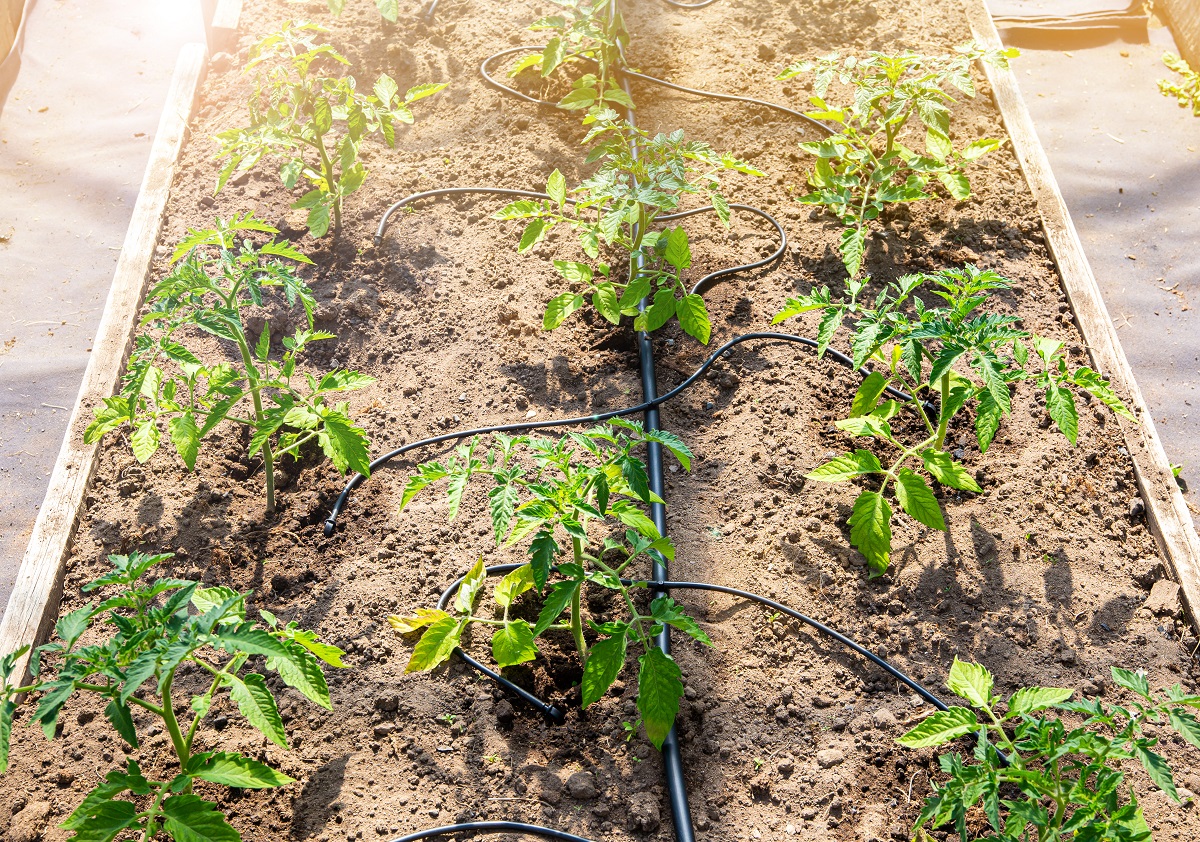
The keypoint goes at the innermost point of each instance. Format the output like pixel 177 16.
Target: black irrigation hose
pixel 493 827
pixel 702 285
pixel 523 426
pixel 828 631
pixel 485 70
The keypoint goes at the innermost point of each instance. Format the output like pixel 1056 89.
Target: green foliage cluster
pixel 583 481
pixel 388 9
pixel 1037 778
pixel 864 166
pixel 591 34
pixel 621 206
pixel 1185 89
pixel 147 633
pixel 913 347
pixel 215 283
pixel 293 114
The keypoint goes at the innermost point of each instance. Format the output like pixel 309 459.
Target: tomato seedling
pixel 582 481
pixel 592 33
pixel 863 167
pixel 915 353
pixel 293 113
pixel 157 629
pixel 213 284
pixel 388 9
pixel 1031 776
pixel 640 179
pixel 1185 89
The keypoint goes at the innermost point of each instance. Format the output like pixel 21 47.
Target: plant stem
pixel 268 457
pixel 168 714
pixel 576 613
pixel 330 181
pixel 945 421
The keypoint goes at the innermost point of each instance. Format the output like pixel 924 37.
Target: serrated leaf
pixel 419 619
pixel 678 254
pixel 115 712
pixel 189 818
pixel 867 396
pixel 533 234
pixel 660 685
pixel 1186 724
pixel 658 313
pixel 987 420
pixel 253 698
pixel 604 662
pixel 847 466
pixel 1031 699
pixel 949 472
pixel 557 600
pixel 144 439
pixel 971 681
pixel 917 500
pixel 186 437
pixel 941 727
pixel 853 244
pixel 512 644
pixel 514 583
pixel 232 769
pixel 665 610
pixel 301 670
pixel 1131 680
pixel 436 645
pixel 472 584
pixel 344 444
pixel 556 187
pixel 559 307
pixel 871 529
pixel 604 299
pixel 1061 406
pixel 1158 770
pixel 502 502
pixel 693 317
pixel 105 822
pixel 7 708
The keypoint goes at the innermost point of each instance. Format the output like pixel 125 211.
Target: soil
pixel 1042 577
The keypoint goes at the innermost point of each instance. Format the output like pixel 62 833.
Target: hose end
pixel 378 241
pixel 555 715
pixel 330 523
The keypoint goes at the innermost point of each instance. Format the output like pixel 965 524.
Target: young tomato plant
pixel 620 207
pixel 389 9
pixel 1186 89
pixel 213 284
pixel 590 32
pixel 158 632
pixel 582 481
pixel 293 114
pixel 863 167
pixel 1035 777
pixel 914 351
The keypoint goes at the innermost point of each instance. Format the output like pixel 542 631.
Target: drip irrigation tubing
pixel 493 827
pixel 524 426
pixel 704 284
pixel 485 70
pixel 826 630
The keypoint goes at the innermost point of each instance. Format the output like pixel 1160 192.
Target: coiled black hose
pixel 702 285
pixel 523 426
pixel 486 70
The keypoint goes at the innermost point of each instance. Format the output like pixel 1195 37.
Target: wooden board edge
pixel 223 29
pixel 1183 16
pixel 1167 514
pixel 33 603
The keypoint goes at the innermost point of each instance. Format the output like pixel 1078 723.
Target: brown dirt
pixel 1041 577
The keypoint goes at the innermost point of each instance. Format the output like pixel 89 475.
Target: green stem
pixel 327 169
pixel 268 456
pixel 576 613
pixel 945 421
pixel 168 714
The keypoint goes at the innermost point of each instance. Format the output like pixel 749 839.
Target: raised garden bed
pixel 1042 576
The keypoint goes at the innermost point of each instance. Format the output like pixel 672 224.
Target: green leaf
pixel 693 317
pixel 472 584
pixel 436 645
pixel 144 439
pixel 72 626
pixel 105 822
pixel 557 600
pixel 971 681
pixel 871 529
pixel 1134 681
pixel 604 662
pixel 1158 770
pixel 917 500
pixel 1061 406
pixel 116 713
pixel 514 583
pixel 559 308
pixel 7 708
pixel 533 234
pixel 502 501
pixel 206 599
pixel 254 700
pixel 322 115
pixel 418 620
pixel 542 552
pixel 556 187
pixel 987 420
pixel 189 818
pixel 1186 724
pixel 235 770
pixel 513 644
pixel 660 685
pixel 847 466
pixel 658 313
pixel 186 437
pixel 940 727
pixel 604 299
pixel 634 473
pixel 866 425
pixel 251 641
pixel 868 394
pixel 853 244
pixel 665 610
pixel 552 56
pixel 390 9
pixel 301 670
pixel 949 472
pixel 956 185
pixel 678 254
pixel 344 444
pixel 1031 699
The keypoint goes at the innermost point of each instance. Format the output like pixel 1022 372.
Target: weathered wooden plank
pixel 1183 16
pixel 222 30
pixel 1166 511
pixel 33 605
